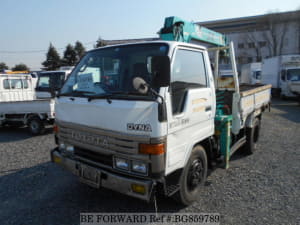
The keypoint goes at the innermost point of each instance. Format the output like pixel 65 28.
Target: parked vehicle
pixel 251 73
pixel 295 86
pixel 281 72
pixel 19 106
pixel 16 87
pixel 50 81
pixel 163 122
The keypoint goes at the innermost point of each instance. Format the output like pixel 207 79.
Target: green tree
pixel 100 43
pixel 52 59
pixel 3 66
pixel 69 58
pixel 20 67
pixel 80 50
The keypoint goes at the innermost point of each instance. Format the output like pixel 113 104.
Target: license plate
pixel 90 176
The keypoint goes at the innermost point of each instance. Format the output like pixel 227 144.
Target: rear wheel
pixel 36 126
pixel 193 177
pixel 252 136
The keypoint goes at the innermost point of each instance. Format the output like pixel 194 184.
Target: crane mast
pixel 176 29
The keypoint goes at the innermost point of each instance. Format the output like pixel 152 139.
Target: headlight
pixel 70 148
pixel 139 167
pixel 122 163
pixel 62 146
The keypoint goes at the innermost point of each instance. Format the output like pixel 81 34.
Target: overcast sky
pixel 27 27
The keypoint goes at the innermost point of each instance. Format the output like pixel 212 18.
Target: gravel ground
pixel 259 189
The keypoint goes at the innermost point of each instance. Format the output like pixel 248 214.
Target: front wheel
pixel 193 176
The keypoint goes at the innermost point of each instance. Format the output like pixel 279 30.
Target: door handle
pixel 207 108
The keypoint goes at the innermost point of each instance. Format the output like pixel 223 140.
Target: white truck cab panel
pixel 16 87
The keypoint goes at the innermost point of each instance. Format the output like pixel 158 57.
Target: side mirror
pixel 140 85
pixel 160 67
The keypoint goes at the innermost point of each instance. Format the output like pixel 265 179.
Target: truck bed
pixel 253 97
pixel 251 100
pixel 40 106
pixel 248 89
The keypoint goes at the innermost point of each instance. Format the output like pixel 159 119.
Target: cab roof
pixel 171 44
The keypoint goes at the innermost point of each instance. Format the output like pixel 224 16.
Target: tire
pixel 252 137
pixel 36 126
pixel 192 177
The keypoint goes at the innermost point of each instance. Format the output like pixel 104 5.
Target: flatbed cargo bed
pixel 248 89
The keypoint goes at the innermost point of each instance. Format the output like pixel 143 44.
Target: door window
pixel 188 72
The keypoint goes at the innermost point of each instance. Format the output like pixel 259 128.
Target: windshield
pixel 51 80
pixel 293 74
pixel 112 70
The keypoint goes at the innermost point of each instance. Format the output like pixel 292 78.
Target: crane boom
pixel 176 29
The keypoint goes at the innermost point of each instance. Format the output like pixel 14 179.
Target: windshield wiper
pixel 102 96
pixel 83 92
pixel 76 92
pixel 107 96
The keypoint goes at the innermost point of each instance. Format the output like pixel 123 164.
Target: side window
pixel 16 84
pixel 6 84
pixel 25 84
pixel 189 68
pixel 188 72
pixel 44 81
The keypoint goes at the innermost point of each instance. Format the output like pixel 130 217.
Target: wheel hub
pixel 195 174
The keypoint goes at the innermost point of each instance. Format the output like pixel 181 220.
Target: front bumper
pixel 97 177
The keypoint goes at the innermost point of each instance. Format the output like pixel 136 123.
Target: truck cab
pixel 251 73
pixel 131 137
pixel 50 81
pixel 16 87
pixel 289 81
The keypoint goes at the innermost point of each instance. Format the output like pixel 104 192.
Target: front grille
pixel 100 140
pixel 94 156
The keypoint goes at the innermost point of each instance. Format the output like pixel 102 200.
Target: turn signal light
pixel 152 149
pixel 137 188
pixel 57 159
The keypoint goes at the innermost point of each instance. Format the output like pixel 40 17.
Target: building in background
pixel 263 36
pixel 254 37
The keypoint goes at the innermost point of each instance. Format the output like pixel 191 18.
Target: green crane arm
pixel 176 29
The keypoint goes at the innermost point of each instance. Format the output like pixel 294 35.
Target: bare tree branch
pixel 275 31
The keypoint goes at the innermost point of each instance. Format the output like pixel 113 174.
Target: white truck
pixel 295 87
pixel 50 81
pixel 162 122
pixel 19 106
pixel 251 73
pixel 281 72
